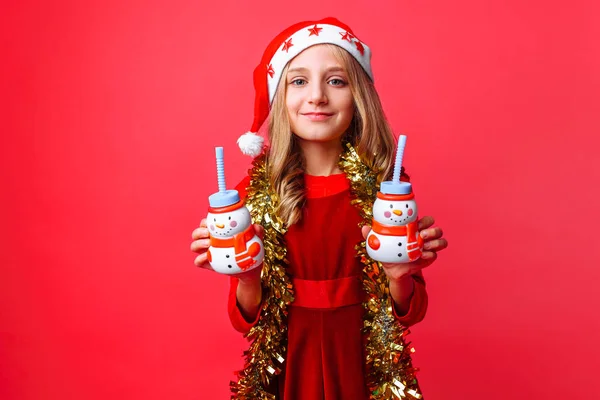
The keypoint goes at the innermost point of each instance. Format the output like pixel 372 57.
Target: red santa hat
pixel 287 45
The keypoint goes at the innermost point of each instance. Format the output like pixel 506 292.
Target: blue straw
pixel 220 169
pixel 399 156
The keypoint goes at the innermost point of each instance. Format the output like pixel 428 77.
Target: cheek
pixel 346 101
pixel 350 108
pixel 346 105
pixel 233 224
pixel 410 212
pixel 212 227
pixel 387 214
pixel 292 103
pixel 292 118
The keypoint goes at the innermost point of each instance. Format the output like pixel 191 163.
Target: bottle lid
pixel 391 187
pixel 223 199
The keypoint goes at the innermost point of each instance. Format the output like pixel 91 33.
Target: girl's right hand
pixel 201 244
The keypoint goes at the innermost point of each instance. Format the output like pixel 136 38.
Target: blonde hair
pixel 369 133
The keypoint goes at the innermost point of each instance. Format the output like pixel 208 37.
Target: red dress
pixel 325 359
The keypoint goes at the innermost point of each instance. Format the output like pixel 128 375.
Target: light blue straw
pixel 220 169
pixel 399 156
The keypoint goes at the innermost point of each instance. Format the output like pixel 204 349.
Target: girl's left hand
pixel 432 243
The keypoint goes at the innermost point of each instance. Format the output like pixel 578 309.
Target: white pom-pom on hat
pixel 251 144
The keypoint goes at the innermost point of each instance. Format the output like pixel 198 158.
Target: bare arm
pixel 402 290
pixel 249 293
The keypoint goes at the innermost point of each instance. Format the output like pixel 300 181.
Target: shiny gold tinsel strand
pixel 264 358
pixel 390 373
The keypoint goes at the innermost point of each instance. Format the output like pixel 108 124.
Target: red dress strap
pixel 330 293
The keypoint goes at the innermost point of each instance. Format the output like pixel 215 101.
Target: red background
pixel 111 110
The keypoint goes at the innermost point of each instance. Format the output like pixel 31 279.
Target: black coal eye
pixel 407 206
pixel 215 220
pixel 391 206
pixel 230 216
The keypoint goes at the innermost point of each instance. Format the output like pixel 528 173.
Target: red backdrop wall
pixel 110 113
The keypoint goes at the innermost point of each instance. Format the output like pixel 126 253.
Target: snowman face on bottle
pixel 395 213
pixel 228 223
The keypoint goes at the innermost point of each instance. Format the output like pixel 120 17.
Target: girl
pixel 325 321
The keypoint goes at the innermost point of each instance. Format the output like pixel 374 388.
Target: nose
pixel 220 226
pixel 397 212
pixel 317 94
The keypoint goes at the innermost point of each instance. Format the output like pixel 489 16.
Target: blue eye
pixel 298 82
pixel 337 82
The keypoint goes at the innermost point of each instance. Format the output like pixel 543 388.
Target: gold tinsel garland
pixel 390 373
pixel 389 368
pixel 268 337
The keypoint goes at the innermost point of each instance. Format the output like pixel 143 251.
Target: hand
pixel 432 243
pixel 201 243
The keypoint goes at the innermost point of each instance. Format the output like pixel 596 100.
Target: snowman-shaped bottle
pixel 234 245
pixel 394 237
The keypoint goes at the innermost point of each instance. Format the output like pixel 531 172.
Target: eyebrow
pixel 302 69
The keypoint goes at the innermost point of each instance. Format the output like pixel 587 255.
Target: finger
pixel 435 245
pixel 203 223
pixel 200 233
pixel 200 245
pixel 260 230
pixel 437 233
pixel 202 262
pixel 365 231
pixel 432 233
pixel 425 222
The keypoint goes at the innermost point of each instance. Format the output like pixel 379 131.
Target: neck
pixel 321 157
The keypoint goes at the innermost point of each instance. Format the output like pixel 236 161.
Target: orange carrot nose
pixel 397 212
pixel 220 226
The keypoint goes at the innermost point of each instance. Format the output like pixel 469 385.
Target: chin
pixel 320 137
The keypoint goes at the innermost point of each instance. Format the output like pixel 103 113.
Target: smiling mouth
pixel 317 116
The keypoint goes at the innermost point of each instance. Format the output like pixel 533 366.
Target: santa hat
pixel 287 45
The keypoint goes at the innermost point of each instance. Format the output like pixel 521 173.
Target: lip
pixel 317 116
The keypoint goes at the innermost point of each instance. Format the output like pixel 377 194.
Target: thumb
pixel 365 231
pixel 260 231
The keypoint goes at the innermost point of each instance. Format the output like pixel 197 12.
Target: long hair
pixel 369 133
